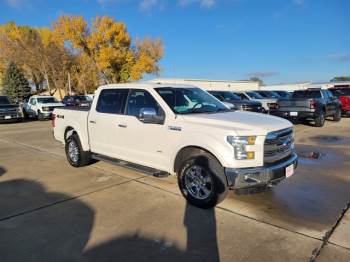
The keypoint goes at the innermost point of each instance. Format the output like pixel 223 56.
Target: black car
pixel 240 104
pixel 77 100
pixel 9 112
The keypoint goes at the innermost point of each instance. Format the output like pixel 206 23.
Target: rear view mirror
pixel 148 115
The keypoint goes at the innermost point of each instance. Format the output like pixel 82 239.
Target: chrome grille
pixel 278 145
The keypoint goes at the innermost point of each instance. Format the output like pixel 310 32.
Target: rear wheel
pixel 320 119
pixel 337 115
pixel 202 181
pixel 76 156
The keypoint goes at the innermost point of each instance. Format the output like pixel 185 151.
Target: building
pixel 246 85
pixel 238 85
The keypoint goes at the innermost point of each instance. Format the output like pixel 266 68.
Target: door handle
pixel 122 125
pixel 92 122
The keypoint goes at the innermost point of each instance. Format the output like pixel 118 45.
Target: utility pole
pixel 70 87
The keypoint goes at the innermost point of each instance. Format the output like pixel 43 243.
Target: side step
pixel 139 168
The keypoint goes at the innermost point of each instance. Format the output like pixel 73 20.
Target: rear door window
pixel 112 101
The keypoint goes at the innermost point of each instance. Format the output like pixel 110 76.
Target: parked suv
pixel 8 111
pixel 240 104
pixel 311 104
pixel 183 130
pixel 77 100
pixel 267 103
pixel 41 107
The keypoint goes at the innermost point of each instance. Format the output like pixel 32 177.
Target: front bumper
pixel 244 178
pixel 47 114
pixel 10 118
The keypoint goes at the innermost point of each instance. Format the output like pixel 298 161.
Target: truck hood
pixel 8 106
pixel 243 123
pixel 53 104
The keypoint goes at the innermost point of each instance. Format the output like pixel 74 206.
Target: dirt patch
pixel 311 155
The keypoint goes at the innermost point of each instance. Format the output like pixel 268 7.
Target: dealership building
pixel 245 85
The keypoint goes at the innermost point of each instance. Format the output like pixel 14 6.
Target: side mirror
pixel 148 115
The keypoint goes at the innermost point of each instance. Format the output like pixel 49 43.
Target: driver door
pixel 144 143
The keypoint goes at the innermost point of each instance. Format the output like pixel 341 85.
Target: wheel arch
pixel 187 151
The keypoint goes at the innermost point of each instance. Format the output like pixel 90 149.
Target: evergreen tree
pixel 15 85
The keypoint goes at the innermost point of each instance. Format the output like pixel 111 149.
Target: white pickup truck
pixel 183 130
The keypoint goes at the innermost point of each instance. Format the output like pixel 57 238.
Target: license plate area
pixel 7 117
pixel 293 113
pixel 289 170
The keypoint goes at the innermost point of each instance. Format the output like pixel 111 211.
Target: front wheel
pixel 337 115
pixel 40 116
pixel 202 181
pixel 76 156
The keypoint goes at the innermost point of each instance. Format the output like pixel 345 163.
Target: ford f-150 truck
pixel 41 107
pixel 8 111
pixel 313 103
pixel 183 130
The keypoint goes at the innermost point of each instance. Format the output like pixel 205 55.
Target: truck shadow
pixel 2 171
pixel 39 225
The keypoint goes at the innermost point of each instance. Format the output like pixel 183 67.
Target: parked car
pixel 77 100
pixel 9 111
pixel 284 94
pixel 311 104
pixel 240 104
pixel 183 130
pixel 267 103
pixel 41 107
pixel 268 94
pixel 343 95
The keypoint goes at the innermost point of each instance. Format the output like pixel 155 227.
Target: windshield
pixel 254 95
pixel 190 100
pixel 4 100
pixel 269 94
pixel 307 94
pixel 284 94
pixel 78 99
pixel 340 91
pixel 46 100
pixel 225 95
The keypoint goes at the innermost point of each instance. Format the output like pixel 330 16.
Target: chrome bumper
pixel 241 178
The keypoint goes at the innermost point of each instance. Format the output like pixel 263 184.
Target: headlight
pixel 45 108
pixel 239 144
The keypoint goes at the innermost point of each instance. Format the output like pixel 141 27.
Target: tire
pixel 75 154
pixel 320 119
pixel 25 115
pixel 206 172
pixel 337 115
pixel 40 116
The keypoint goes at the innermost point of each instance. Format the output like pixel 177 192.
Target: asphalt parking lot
pixel 50 211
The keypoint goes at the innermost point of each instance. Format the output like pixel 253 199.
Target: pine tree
pixel 15 85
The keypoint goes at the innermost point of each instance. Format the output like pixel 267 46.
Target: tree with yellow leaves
pixel 72 54
pixel 108 47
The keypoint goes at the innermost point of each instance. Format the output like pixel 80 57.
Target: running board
pixel 139 168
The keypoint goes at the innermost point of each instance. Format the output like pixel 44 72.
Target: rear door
pixel 330 107
pixel 105 121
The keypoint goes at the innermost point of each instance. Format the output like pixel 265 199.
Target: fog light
pixel 250 155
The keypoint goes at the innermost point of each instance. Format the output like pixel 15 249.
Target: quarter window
pixel 112 101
